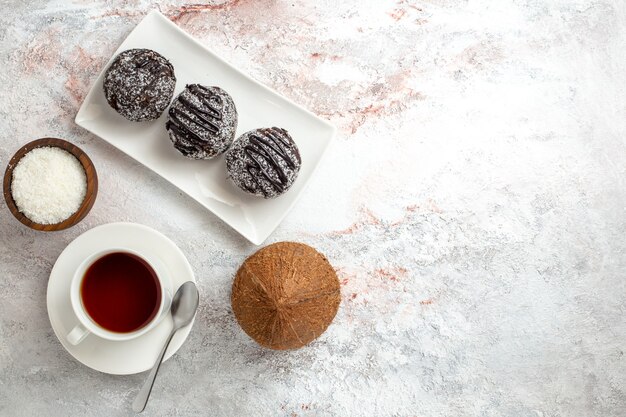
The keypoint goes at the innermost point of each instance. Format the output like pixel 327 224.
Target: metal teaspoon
pixel 184 305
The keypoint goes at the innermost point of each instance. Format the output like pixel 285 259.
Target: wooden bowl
pixel 90 173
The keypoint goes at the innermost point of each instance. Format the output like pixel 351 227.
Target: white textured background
pixel 474 206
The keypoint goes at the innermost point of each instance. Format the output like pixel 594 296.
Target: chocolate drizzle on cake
pixel 204 118
pixel 260 149
pixel 264 162
pixel 148 64
pixel 202 121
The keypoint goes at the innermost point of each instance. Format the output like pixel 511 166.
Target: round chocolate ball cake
pixel 264 162
pixel 139 84
pixel 202 121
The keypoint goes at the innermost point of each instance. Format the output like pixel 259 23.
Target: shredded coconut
pixel 48 185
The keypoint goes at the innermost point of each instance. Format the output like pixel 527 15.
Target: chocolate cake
pixel 202 121
pixel 285 295
pixel 139 84
pixel 264 162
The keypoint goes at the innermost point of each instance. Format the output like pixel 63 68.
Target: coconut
pixel 285 295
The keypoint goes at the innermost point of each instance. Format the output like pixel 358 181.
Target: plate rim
pixel 252 236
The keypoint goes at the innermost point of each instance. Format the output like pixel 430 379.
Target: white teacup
pixel 86 325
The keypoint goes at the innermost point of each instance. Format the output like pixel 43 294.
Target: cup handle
pixel 77 334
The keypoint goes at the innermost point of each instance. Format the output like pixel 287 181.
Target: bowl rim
pixel 90 173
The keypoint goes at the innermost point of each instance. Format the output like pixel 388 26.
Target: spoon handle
pixel 144 393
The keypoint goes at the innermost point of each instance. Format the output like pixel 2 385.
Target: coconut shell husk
pixel 285 295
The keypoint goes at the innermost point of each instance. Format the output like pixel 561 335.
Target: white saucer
pixel 119 358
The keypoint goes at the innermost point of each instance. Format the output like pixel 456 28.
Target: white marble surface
pixel 474 206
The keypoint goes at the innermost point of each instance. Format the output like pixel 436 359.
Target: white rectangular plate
pixel 206 181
